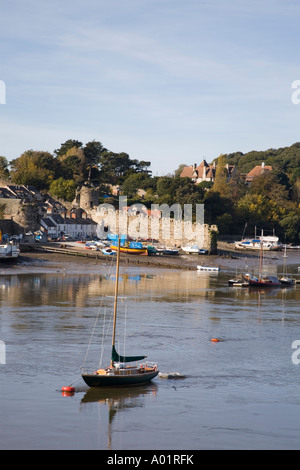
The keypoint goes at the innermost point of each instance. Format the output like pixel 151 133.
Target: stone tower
pixel 87 197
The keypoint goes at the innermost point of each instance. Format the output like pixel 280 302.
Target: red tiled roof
pixel 187 172
pixel 258 170
pixel 194 171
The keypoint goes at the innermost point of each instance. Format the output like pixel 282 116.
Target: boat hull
pixel 194 250
pixel 166 251
pixel 95 380
pixel 9 252
pixel 208 268
pixel 263 283
pixel 128 250
pixel 238 283
pixel 267 244
pixel 287 281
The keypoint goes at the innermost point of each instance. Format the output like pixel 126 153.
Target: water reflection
pixel 46 320
pixel 115 401
pixel 59 289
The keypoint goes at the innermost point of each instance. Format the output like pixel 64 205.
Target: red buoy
pixel 215 340
pixel 68 389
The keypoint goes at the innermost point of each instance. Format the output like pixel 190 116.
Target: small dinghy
pixel 170 375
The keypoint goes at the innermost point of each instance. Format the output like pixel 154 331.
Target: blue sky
pixel 169 81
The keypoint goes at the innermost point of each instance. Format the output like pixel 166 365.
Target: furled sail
pixel 118 358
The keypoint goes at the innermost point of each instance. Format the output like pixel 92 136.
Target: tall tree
pixel 36 168
pixel 92 152
pixel 63 189
pixel 4 171
pixel 69 144
pixel 221 178
pixel 73 164
pixel 134 182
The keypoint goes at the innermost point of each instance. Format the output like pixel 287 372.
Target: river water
pixel 241 392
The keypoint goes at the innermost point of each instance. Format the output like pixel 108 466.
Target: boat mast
pixel 261 253
pixel 116 298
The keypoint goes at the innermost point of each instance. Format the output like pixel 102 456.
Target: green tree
pixel 69 144
pixel 221 178
pixel 216 206
pixel 92 153
pixel 73 164
pixel 115 167
pixel 290 225
pixel 142 166
pixel 4 171
pixel 63 189
pixel 260 211
pixel 134 182
pixel 36 168
pixel 164 186
pixel 179 169
pixel 267 185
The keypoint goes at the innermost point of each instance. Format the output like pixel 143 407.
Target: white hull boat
pixel 267 244
pixel 208 268
pixel 191 250
pixel 9 251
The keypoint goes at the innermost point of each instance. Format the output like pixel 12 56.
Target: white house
pixel 56 226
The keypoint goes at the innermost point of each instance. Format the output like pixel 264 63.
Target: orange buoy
pixel 68 389
pixel 215 340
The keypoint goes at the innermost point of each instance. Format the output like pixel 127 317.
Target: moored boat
pixel 194 249
pixel 263 280
pixel 151 250
pixel 134 248
pixel 208 268
pixel 118 373
pixel 165 250
pixel 269 243
pixel 8 250
pixel 108 251
pixel 286 280
pixel 238 282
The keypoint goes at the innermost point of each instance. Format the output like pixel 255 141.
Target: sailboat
pixel 285 279
pixel 118 373
pixel 263 281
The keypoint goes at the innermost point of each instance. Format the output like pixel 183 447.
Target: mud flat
pixel 227 258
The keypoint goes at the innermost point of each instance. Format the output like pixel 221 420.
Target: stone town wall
pixel 166 230
pixel 24 217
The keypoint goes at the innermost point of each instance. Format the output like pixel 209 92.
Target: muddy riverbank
pixel 227 258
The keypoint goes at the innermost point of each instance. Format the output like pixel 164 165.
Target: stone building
pixel 204 172
pixel 86 197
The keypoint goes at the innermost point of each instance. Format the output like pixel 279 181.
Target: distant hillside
pixel 285 159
